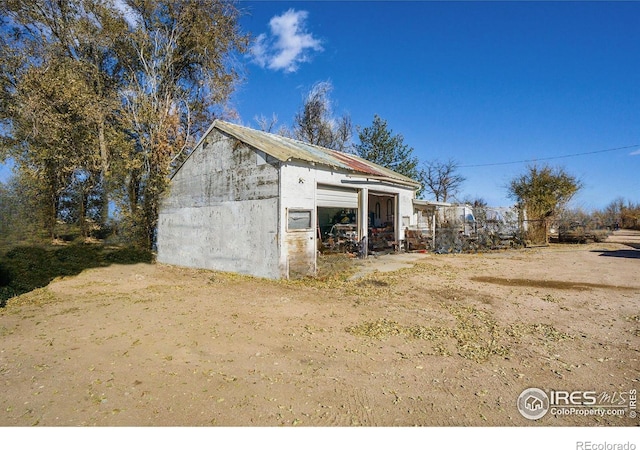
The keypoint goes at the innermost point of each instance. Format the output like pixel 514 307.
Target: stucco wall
pixel 221 211
pixel 227 209
pixel 298 191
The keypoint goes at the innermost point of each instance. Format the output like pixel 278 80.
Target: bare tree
pixel 613 212
pixel 441 179
pixel 315 123
pixel 266 124
pixel 476 202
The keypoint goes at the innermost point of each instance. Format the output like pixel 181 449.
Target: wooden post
pixel 363 219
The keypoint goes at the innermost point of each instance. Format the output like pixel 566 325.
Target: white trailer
pixel 457 217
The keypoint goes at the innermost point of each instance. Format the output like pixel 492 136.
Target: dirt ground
pixel 420 339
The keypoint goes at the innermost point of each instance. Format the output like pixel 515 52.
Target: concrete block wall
pixel 221 211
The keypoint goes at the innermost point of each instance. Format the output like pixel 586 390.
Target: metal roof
pixel 287 149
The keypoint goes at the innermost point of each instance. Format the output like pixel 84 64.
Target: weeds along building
pixel 256 203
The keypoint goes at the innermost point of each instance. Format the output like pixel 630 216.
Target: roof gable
pixel 287 149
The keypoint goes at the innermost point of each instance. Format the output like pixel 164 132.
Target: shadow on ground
pixel 633 252
pixel 25 268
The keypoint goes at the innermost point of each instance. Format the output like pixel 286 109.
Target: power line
pixel 550 157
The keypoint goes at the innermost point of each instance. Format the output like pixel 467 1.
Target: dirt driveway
pixel 443 340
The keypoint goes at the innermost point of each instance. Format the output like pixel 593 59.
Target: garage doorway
pixel 337 219
pixel 382 229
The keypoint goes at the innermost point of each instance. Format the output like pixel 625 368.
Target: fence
pixel 463 229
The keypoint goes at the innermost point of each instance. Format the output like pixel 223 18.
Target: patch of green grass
pixel 25 268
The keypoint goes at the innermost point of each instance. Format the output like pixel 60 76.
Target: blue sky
pixel 479 82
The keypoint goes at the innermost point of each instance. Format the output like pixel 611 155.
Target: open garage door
pixel 335 197
pixel 337 215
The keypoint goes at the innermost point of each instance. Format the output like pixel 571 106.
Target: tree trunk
pixel 84 206
pixel 51 214
pixel 133 186
pixel 104 158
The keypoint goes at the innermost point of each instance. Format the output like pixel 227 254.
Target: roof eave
pixel 411 184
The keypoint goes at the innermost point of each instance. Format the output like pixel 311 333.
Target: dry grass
pixel 159 345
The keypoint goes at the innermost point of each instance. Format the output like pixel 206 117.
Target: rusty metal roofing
pixel 287 149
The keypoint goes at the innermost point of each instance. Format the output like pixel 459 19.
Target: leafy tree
pixel 20 218
pixel 630 216
pixel 542 192
pixel 379 145
pixel 59 94
pixel 52 132
pixel 315 123
pixel 178 74
pixel 100 97
pixel 441 179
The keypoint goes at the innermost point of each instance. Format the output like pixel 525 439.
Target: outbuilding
pixel 256 203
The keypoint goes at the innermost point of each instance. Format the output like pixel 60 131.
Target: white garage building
pixel 256 203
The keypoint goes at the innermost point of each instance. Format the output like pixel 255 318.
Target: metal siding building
pixel 251 202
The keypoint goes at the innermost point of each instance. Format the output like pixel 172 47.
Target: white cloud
pixel 287 45
pixel 635 152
